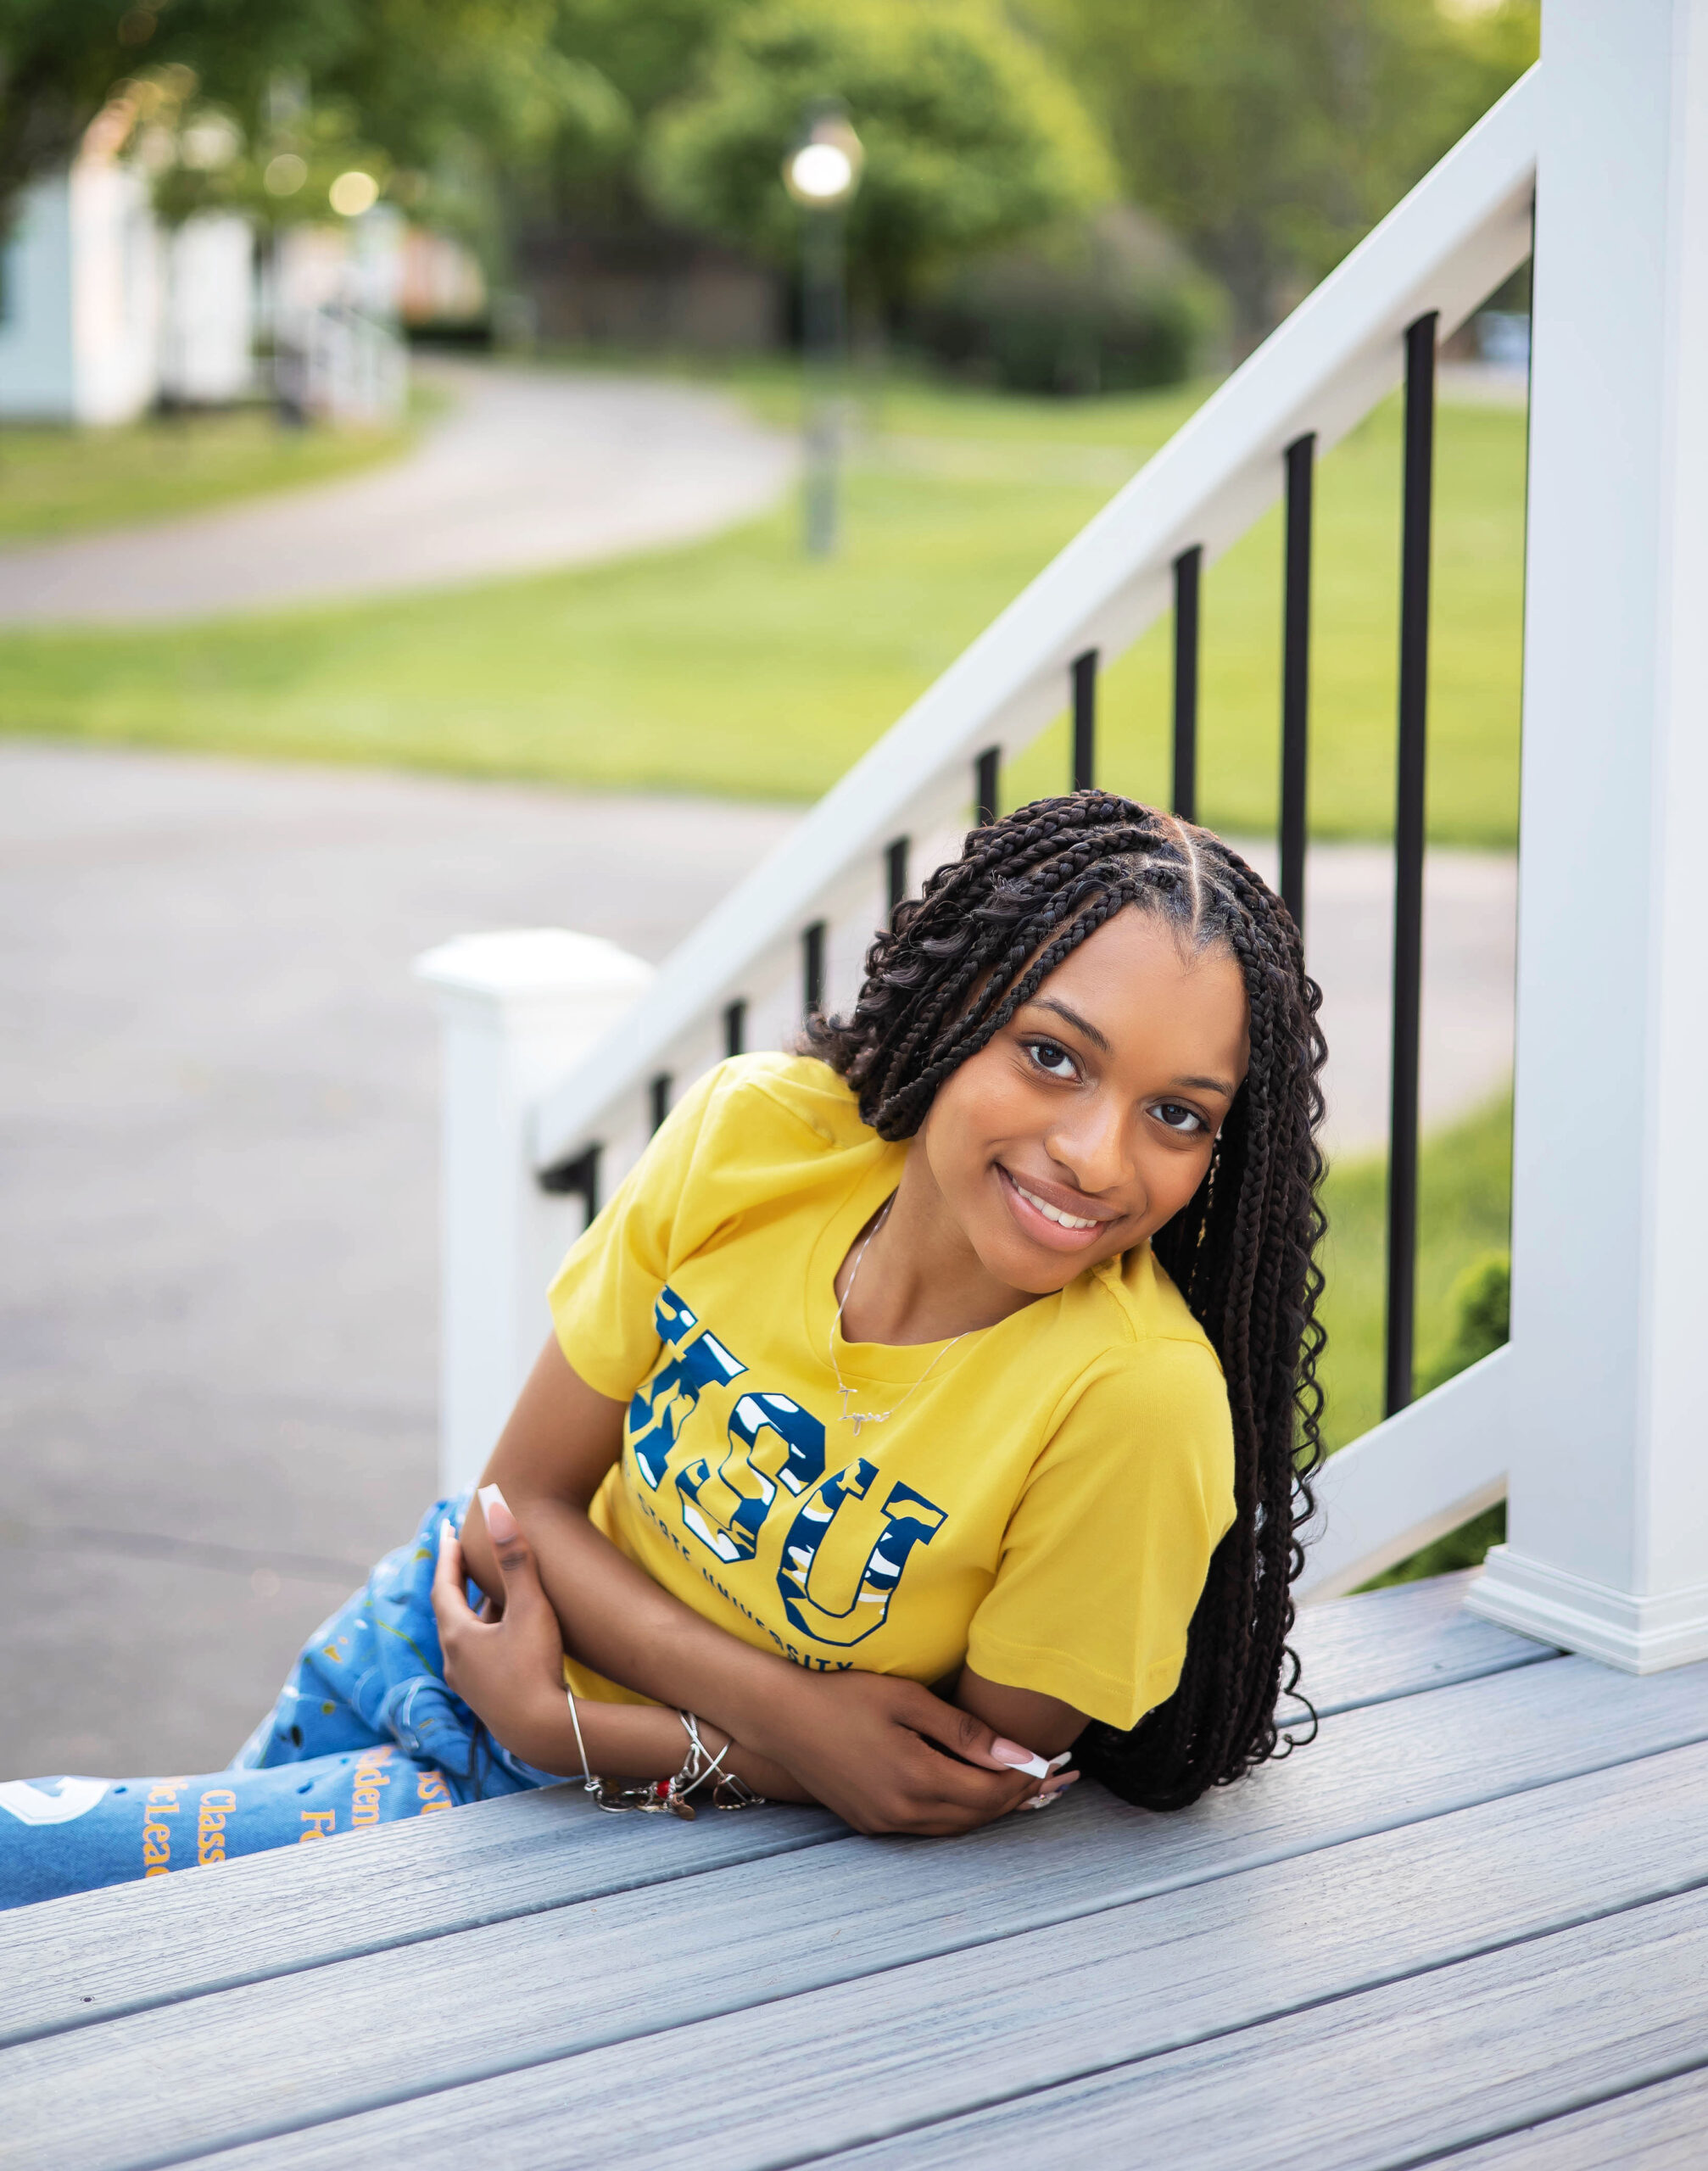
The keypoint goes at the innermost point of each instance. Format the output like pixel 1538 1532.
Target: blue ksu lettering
pixel 909 1520
pixel 726 1508
pixel 658 1409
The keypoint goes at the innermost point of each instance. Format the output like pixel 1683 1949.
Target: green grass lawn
pixel 735 667
pixel 64 481
pixel 1464 1185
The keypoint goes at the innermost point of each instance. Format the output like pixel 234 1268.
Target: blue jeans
pixel 365 1732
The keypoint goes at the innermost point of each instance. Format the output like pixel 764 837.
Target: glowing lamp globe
pixel 824 171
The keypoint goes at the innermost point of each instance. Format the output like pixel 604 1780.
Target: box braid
pixel 948 973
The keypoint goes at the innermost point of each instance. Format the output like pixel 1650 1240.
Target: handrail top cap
pixel 522 960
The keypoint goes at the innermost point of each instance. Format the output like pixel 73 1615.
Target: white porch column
pixel 519 1010
pixel 1608 1548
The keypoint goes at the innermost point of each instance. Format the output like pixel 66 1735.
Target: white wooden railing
pixel 528 1153
pixel 337 363
pixel 560 1051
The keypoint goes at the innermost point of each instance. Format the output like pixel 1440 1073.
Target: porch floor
pixel 1471 1920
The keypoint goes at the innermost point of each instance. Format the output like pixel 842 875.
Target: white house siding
pixel 102 310
pixel 116 293
pixel 35 362
pixel 207 334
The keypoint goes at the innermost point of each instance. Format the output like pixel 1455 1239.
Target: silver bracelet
pixel 580 1745
pixel 655 1796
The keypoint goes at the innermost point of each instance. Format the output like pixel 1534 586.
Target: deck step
pixel 641 1980
pixel 1659 2127
pixel 504 1860
pixel 1368 2083
pixel 1401 1640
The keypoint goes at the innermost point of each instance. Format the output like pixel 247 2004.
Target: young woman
pixel 922 1408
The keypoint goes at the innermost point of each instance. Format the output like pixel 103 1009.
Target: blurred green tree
pixel 488 90
pixel 647 52
pixel 1271 135
pixel 971 136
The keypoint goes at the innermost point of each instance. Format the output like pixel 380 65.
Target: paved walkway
pixel 218 1148
pixel 529 469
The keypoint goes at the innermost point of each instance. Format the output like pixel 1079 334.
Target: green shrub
pixel 1107 307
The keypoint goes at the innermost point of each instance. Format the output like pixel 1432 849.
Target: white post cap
pixel 520 963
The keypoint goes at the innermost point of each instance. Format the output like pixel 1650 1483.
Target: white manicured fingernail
pixel 500 1524
pixel 1057 1762
pixel 1038 1801
pixel 1018 1759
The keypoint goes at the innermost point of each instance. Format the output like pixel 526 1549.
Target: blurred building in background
pixel 330 303
pixel 81 294
pixel 206 327
pixel 649 287
pixel 441 288
pixel 106 310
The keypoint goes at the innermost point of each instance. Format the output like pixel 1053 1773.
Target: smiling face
pixel 1087 1122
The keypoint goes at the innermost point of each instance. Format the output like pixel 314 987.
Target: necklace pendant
pixel 857 1420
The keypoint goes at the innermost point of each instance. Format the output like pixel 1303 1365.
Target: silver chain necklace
pixel 856 1418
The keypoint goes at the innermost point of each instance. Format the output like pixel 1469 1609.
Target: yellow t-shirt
pixel 1043 1507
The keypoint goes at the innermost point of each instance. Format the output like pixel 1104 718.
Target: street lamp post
pixel 822 175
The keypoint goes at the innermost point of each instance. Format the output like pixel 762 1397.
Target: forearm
pixel 616 1620
pixel 628 1741
pixel 1042 1722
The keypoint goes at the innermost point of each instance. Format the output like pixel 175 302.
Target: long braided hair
pixel 947 974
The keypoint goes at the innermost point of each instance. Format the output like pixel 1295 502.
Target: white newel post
pixel 1608 1538
pixel 519 1010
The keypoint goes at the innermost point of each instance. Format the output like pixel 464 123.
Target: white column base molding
pixel 1409 1480
pixel 1637 1635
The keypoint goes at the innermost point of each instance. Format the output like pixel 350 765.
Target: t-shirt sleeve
pixel 603 1296
pixel 1107 1551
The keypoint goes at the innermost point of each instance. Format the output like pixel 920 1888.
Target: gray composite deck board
pixel 70 1962
pixel 554 1987
pixel 754 1986
pixel 1398 1641
pixel 1372 2082
pixel 1370 1766
pixel 813 2075
pixel 1661 2128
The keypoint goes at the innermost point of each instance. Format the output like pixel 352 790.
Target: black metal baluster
pixel 896 872
pixel 813 968
pixel 1085 668
pixel 735 1026
pixel 660 1098
pixel 1408 856
pixel 986 808
pixel 1188 566
pixel 1301 470
pixel 570 1178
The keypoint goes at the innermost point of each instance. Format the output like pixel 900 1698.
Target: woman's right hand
pixel 887 1755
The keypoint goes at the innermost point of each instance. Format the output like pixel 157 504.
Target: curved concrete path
pixel 527 470
pixel 218 1111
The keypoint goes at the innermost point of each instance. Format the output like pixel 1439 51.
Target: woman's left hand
pixel 506 1661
